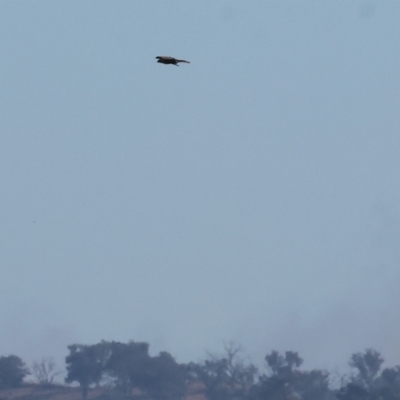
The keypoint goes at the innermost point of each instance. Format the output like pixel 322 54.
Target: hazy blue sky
pixel 252 195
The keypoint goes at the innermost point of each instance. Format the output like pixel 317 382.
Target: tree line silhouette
pixel 129 369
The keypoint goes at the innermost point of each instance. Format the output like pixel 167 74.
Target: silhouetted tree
pixel 368 365
pixel 283 365
pixel 45 371
pixel 353 392
pixel 128 365
pixel 368 383
pixel 132 367
pixel 313 385
pixel 226 377
pixel 285 381
pixel 86 364
pixel 165 379
pixel 12 371
pixel 389 383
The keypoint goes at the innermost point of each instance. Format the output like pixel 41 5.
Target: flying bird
pixel 170 60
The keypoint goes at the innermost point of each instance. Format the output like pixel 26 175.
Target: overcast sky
pixel 252 195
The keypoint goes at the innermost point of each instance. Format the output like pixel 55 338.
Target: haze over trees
pixel 129 371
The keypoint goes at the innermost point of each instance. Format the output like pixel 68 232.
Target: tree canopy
pixel 12 371
pixel 130 370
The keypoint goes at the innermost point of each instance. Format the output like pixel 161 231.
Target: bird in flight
pixel 170 60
